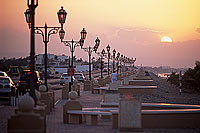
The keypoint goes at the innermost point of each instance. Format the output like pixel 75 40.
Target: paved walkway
pixel 55 121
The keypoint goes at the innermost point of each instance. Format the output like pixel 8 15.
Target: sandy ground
pixel 169 93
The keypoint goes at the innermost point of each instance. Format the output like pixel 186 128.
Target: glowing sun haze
pixel 166 39
pixel 132 27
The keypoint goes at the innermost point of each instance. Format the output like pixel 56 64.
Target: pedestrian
pixel 113 76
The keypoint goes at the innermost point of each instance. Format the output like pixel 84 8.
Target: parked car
pixel 66 78
pixel 7 87
pixel 14 71
pixel 105 70
pixel 79 77
pixel 3 74
pixel 24 81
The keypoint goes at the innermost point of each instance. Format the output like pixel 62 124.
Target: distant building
pixel 53 60
pixel 60 64
pixel 39 59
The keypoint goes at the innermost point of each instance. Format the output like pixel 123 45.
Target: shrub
pixel 174 79
pixel 191 78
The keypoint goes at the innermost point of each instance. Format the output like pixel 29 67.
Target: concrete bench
pixel 142 78
pixel 132 89
pixel 99 109
pixel 99 90
pixel 90 117
pixel 169 118
pixel 140 82
pixel 102 109
pixel 109 104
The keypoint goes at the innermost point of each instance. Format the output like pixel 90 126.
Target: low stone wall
pixel 140 82
pixel 135 90
pixel 184 118
pixel 166 118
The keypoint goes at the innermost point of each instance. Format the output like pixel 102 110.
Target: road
pixel 54 84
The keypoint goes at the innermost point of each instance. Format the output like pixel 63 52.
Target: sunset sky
pixel 132 27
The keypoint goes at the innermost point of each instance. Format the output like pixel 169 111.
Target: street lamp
pixel 89 50
pixel 121 60
pixel 118 55
pixel 108 50
pixel 46 34
pixel 124 61
pixel 101 55
pixel 30 18
pixel 72 44
pixel 133 61
pixel 62 14
pixel 114 52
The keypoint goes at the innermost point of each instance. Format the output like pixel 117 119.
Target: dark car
pixel 7 87
pixel 24 81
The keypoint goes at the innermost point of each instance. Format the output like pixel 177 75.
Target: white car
pixel 65 78
pixel 79 77
pixel 3 74
pixel 7 87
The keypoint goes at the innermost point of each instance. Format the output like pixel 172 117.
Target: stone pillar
pixel 118 77
pixel 87 85
pixel 125 81
pixel 74 87
pixel 114 85
pixel 46 98
pixel 52 93
pixel 108 79
pixel 72 104
pixel 129 113
pixel 40 107
pixel 111 96
pixel 65 91
pixel 101 82
pixel 26 120
pixel 95 85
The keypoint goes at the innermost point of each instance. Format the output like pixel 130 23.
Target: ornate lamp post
pixel 121 60
pixel 124 61
pixel 89 50
pixel 133 61
pixel 118 55
pixel 73 44
pixel 101 55
pixel 30 18
pixel 108 50
pixel 114 52
pixel 46 34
